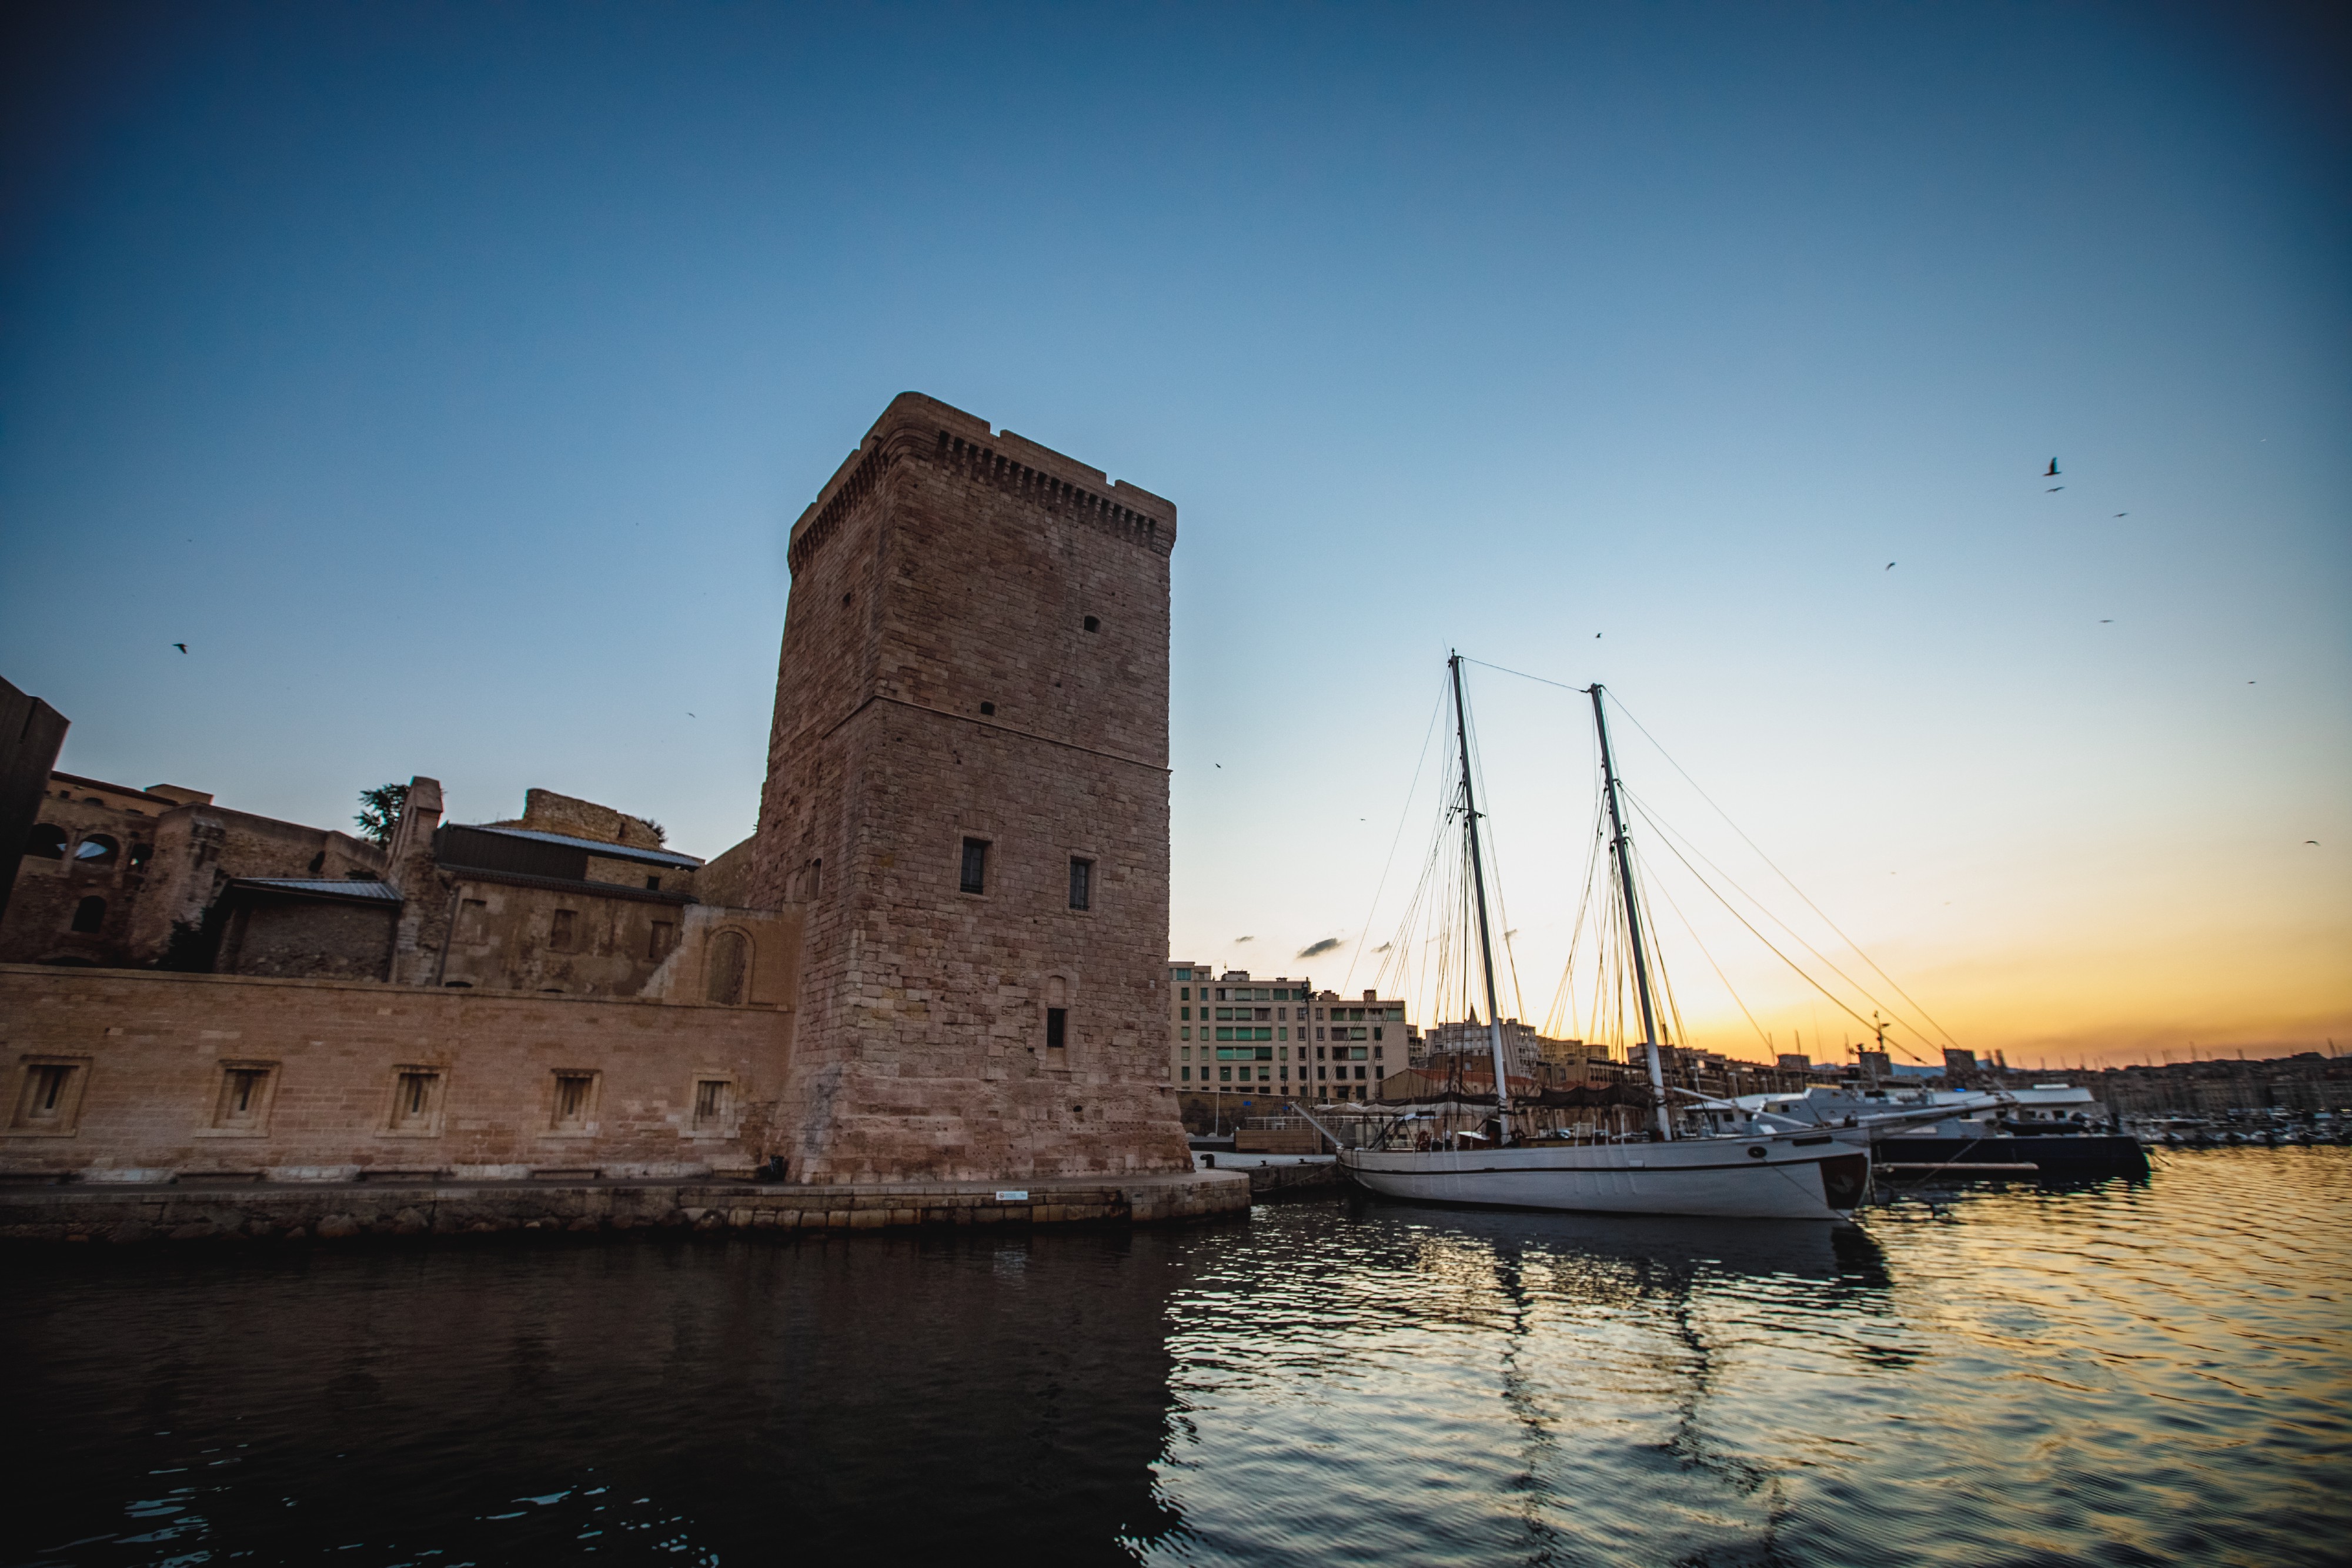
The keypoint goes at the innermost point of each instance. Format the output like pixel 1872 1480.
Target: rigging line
pixel 1669 834
pixel 1699 943
pixel 1576 936
pixel 1793 964
pixel 1494 865
pixel 1401 946
pixel 1403 815
pixel 1783 875
pixel 1563 686
pixel 1657 954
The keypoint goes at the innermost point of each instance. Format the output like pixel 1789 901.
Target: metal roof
pixel 593 846
pixel 325 887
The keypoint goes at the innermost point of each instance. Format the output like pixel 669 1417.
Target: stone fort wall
pixel 142 1066
pixel 975 648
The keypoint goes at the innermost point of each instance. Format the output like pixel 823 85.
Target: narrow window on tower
pixel 1082 884
pixel 975 865
pixel 1058 1027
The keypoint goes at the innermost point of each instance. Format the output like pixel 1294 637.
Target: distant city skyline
pixel 446 380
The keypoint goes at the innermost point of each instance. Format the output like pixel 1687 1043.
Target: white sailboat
pixel 1761 1172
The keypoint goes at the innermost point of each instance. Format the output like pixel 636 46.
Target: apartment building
pixel 1356 1044
pixel 1232 1035
pixel 1235 1033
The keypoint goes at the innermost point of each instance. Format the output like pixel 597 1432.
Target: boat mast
pixel 1632 919
pixel 1485 945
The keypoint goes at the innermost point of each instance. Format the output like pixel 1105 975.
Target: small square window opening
pixel 574 1094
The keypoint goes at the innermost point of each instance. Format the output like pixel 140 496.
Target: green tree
pixel 379 809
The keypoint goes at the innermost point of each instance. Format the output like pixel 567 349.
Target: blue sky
pixel 446 377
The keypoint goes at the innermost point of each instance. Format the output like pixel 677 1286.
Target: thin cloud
pixel 1312 949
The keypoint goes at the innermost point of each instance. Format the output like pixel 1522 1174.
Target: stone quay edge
pixel 201 1210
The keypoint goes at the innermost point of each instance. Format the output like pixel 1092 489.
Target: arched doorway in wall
pixel 726 968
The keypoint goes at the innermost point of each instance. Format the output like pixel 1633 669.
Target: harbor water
pixel 2138 1372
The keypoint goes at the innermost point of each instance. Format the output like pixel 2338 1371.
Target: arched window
pixel 730 958
pixel 90 915
pixel 99 849
pixel 45 842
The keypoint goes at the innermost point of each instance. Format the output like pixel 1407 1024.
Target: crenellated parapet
pixel 922 429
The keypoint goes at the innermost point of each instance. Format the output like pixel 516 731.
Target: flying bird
pixel 1890 566
pixel 2052 472
pixel 183 647
pixel 1220 765
pixel 2311 841
pixel 2104 621
pixel 2123 513
pixel 2053 489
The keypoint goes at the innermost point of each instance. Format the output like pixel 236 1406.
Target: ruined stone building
pixel 116 877
pixel 939 956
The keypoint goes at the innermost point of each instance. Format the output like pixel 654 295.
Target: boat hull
pixel 1717 1178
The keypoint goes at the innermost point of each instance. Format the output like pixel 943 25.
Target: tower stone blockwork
pixel 973 680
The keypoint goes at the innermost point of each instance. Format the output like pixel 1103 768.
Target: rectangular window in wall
pixel 1082 884
pixel 416 1100
pixel 1184 1033
pixel 1264 1034
pixel 1187 1072
pixel 1376 1034
pixel 49 1099
pixel 1224 1034
pixel 243 1105
pixel 575 1094
pixel 710 1105
pixel 563 931
pixel 975 865
pixel 1224 1075
pixel 1058 1027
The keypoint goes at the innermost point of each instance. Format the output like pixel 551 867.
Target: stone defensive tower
pixel 967 792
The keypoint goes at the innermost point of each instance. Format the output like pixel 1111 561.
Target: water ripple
pixel 2157 1371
